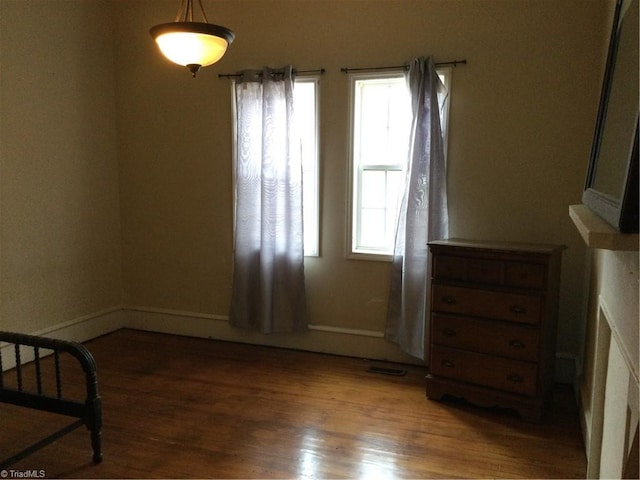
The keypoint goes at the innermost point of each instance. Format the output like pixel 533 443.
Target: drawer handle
pixel 448 332
pixel 517 309
pixel 515 378
pixel 516 344
pixel 447 363
pixel 449 300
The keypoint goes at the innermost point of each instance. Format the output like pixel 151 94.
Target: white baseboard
pixel 368 344
pixel 87 327
pixel 78 330
pixel 325 339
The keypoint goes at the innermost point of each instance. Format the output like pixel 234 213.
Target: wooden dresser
pixel 493 323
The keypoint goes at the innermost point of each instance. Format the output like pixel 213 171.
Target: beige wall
pixel 522 117
pixel 59 202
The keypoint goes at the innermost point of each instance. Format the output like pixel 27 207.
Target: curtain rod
pixel 318 71
pixel 405 66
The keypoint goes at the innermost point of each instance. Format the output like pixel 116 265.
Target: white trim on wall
pixel 86 327
pixel 361 343
pixel 78 330
pixel 320 338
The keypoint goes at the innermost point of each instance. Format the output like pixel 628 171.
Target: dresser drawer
pixel 449 268
pixel 524 275
pixel 485 336
pixel 475 270
pixel 489 272
pixel 485 303
pixel 504 374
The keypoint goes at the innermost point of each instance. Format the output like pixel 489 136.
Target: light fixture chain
pixel 185 14
pixel 189 15
pixel 204 15
pixel 181 16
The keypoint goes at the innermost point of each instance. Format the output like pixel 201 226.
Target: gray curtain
pixel 423 213
pixel 268 292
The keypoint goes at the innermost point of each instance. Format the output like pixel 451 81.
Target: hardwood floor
pixel 177 407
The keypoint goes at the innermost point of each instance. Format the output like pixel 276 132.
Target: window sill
pixel 371 257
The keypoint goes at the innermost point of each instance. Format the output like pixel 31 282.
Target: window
pixel 380 127
pixel 381 119
pixel 306 112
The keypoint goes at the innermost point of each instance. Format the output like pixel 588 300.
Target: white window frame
pixel 353 194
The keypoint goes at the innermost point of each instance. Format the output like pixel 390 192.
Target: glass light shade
pixel 192 44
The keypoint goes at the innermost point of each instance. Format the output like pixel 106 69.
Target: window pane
pixel 382 128
pixel 395 186
pixel 305 98
pixel 372 231
pixel 373 189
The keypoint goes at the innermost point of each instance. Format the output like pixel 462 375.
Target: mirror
pixel 611 189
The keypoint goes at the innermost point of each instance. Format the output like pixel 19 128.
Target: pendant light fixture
pixel 192 44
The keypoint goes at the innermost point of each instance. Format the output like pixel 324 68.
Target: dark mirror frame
pixel 621 211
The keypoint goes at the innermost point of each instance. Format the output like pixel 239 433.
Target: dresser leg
pixel 435 391
pixel 529 410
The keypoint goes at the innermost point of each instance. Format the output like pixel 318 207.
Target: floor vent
pixel 398 372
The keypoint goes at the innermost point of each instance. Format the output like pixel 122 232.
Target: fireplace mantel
pixel 599 234
pixel 608 388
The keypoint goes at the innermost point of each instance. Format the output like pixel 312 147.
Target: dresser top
pixel 497 246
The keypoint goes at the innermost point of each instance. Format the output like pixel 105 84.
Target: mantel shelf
pixel 599 234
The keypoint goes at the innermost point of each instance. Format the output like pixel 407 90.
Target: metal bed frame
pixel 88 413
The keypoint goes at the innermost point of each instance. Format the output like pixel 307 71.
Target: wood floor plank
pixel 178 407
